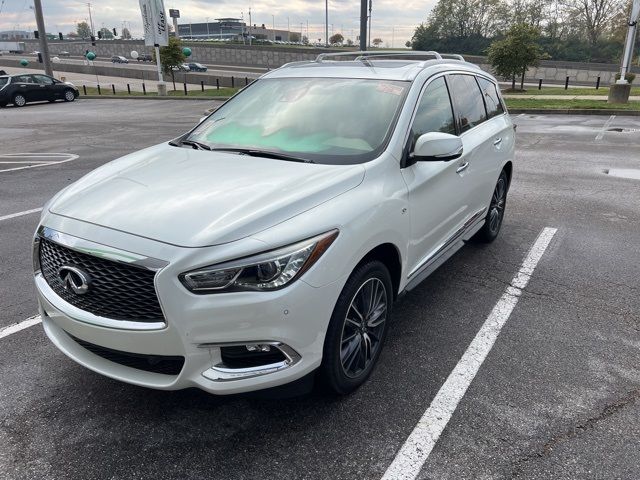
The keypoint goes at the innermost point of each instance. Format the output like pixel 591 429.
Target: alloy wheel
pixel 69 96
pixel 19 101
pixel 363 328
pixel 496 209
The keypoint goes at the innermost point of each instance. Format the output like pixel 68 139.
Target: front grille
pixel 167 365
pixel 118 291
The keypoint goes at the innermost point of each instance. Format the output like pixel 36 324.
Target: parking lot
pixel 558 395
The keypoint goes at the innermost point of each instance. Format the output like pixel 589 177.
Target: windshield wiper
pixel 264 153
pixel 191 143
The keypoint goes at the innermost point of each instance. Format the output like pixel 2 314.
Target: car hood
pixel 197 198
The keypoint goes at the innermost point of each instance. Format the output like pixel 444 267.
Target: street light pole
pixel 93 31
pixel 326 22
pixel 363 25
pixel 42 33
pixel 627 58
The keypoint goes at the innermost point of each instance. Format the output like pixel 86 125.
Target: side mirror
pixel 437 147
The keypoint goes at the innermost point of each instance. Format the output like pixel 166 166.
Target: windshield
pixel 3 81
pixel 326 120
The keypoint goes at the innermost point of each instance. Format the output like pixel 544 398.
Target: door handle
pixel 462 167
pixel 497 142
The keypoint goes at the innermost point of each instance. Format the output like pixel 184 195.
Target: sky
pixel 390 22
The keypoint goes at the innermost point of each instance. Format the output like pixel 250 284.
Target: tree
pixel 349 43
pixel 407 44
pixel 294 37
pixel 83 29
pixel 377 42
pixel 171 55
pixel 106 33
pixel 517 52
pixel 336 39
pixel 596 16
pixel 126 35
pixel 305 40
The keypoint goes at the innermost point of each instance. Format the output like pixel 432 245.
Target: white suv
pixel 271 241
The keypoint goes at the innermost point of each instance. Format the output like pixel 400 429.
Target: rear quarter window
pixel 468 100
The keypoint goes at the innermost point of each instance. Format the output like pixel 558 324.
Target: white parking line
pixel 416 449
pixel 20 214
pixel 16 327
pixel 17 158
pixel 606 125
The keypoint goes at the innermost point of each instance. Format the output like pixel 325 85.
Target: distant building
pixel 15 35
pixel 231 29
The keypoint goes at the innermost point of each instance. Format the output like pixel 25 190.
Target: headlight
pixel 266 271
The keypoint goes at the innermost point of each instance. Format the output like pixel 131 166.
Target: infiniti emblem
pixel 74 279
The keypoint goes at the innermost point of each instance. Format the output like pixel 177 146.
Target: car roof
pixel 402 66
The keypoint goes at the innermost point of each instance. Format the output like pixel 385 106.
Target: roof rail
pixel 455 56
pixel 363 55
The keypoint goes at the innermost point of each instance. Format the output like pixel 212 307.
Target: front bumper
pixel 293 320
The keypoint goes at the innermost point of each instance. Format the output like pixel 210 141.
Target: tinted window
pixel 434 113
pixel 468 98
pixel 491 99
pixel 42 79
pixel 22 79
pixel 4 81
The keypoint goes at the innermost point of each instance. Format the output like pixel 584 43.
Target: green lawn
pixel 569 91
pixel 194 91
pixel 524 103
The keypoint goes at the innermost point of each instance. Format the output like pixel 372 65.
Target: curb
pixel 574 111
pixel 148 97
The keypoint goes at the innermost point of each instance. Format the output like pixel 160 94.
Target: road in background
pixel 557 396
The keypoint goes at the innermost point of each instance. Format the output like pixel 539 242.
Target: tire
pixel 19 100
pixel 69 96
pixel 345 369
pixel 493 221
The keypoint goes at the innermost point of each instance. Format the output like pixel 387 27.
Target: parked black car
pixel 197 67
pixel 119 59
pixel 22 89
pixel 145 57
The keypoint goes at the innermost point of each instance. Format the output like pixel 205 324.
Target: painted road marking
pixel 416 449
pixel 35 159
pixel 20 214
pixel 607 124
pixel 16 327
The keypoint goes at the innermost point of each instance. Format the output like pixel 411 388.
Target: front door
pixel 437 191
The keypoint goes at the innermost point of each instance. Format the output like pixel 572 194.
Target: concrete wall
pixel 272 57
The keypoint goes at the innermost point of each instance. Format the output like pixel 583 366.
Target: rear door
pixel 477 134
pixel 25 85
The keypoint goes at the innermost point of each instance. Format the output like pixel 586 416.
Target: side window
pixel 22 79
pixel 468 99
pixel 43 80
pixel 491 99
pixel 434 113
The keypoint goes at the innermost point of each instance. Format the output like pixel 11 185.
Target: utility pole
pixel 326 23
pixel 93 31
pixel 370 8
pixel 250 26
pixel 363 25
pixel 627 58
pixel 42 33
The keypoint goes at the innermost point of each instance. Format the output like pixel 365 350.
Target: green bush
pixel 630 77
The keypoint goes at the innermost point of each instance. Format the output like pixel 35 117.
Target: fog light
pixel 259 348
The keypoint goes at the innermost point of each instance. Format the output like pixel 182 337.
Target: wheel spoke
pixel 377 317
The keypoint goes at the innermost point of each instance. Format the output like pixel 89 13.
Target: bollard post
pixel 540 85
pixel 99 92
pixel 185 88
pixel 217 84
pixel 232 82
pixel 129 88
pixel 566 84
pixel 202 85
pixel 598 84
pixel 246 81
pixel 144 89
pixel 113 87
pixel 84 89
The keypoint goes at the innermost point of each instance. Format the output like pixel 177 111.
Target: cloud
pixel 389 19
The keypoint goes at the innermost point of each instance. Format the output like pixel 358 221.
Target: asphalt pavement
pixel 557 396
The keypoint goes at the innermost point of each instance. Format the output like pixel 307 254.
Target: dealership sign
pixel 154 20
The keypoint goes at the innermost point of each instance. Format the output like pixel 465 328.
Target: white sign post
pixel 627 58
pixel 156 33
